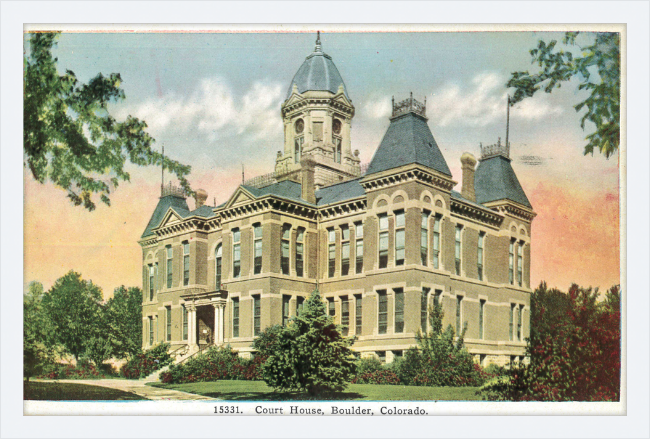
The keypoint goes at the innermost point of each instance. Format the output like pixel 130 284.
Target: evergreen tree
pixel 310 354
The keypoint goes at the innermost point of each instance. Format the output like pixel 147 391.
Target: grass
pixel 54 391
pixel 259 391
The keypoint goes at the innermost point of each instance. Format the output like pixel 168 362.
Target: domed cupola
pixel 317 73
pixel 317 116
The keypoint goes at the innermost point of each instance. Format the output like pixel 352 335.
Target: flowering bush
pixel 575 352
pixel 81 371
pixel 145 363
pixel 377 377
pixel 214 364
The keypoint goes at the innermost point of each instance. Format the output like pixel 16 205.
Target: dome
pixel 317 73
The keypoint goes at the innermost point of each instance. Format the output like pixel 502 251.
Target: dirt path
pixel 140 388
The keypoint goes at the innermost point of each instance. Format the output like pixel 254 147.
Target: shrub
pixel 574 350
pixel 310 354
pixel 368 365
pixel 83 370
pixel 376 377
pixel 145 363
pixel 214 364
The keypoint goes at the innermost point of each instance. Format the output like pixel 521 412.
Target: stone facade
pixel 380 247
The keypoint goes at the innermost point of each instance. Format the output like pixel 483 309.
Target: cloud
pixel 377 108
pixel 212 109
pixel 483 102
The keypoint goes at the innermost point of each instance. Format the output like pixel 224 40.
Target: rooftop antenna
pixel 162 184
pixel 242 173
pixel 508 128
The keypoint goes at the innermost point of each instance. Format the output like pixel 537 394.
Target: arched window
pixel 217 264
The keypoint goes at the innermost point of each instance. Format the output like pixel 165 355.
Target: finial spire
pixel 162 165
pixel 318 46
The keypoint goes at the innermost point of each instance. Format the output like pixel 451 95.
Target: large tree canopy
pixel 599 70
pixel 69 136
pixel 124 321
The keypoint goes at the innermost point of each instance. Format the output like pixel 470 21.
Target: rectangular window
pixel 169 266
pixel 186 263
pixel 151 281
pixel 168 313
pixel 459 314
pixel 382 318
pixel 479 258
pixel 520 334
pixel 481 318
pixel 358 230
pixel 298 149
pixel 424 309
pixel 520 264
pixel 436 242
pixel 436 298
pixel 511 262
pixel 399 310
pixel 150 331
pixel 331 308
pixel 236 253
pixel 285 309
pixel 358 314
pixel 235 316
pixel 457 248
pixel 512 321
pixel 400 238
pixel 331 252
pixel 185 322
pixel 284 256
pixel 424 238
pixel 345 316
pixel 383 241
pixel 300 301
pixel 337 150
pixel 318 131
pixel 345 250
pixel 257 245
pixel 217 267
pixel 300 251
pixel 257 315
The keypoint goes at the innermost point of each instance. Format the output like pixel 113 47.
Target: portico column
pixel 217 319
pixel 191 324
pixel 222 307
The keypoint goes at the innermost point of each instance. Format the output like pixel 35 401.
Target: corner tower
pixel 317 116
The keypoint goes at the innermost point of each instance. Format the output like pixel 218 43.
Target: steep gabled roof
pixel 408 140
pixel 496 180
pixel 178 204
pixel 339 192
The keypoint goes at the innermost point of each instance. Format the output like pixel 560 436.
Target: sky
pixel 213 100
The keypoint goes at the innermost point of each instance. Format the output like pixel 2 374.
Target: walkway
pixel 140 388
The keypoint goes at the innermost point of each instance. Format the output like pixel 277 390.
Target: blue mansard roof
pixel 408 140
pixel 496 180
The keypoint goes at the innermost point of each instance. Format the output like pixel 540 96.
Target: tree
pixel 576 359
pixel 440 359
pixel 124 321
pixel 69 136
pixel 310 354
pixel 39 347
pixel 599 70
pixel 74 307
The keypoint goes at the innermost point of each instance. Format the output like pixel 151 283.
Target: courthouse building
pixel 381 244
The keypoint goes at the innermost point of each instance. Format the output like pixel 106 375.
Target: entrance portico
pixel 205 320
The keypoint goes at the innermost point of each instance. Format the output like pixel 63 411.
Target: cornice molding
pixel 416 172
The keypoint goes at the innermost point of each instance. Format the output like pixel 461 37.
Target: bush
pixel 574 350
pixel 215 364
pixel 145 363
pixel 83 370
pixel 368 365
pixel 376 377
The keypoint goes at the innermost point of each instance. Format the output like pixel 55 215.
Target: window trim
pixel 482 302
pixel 383 233
pixel 235 316
pixel 425 295
pixel 459 314
pixel 398 315
pixel 458 249
pixel 345 320
pixel 358 244
pixel 382 294
pixel 520 263
pixel 258 260
pixel 236 248
pixel 300 255
pixel 437 222
pixel 185 328
pixel 424 237
pixel 170 265
pixel 257 314
pixel 285 244
pixel 168 318
pixel 151 282
pixel 358 314
pixel 400 229
pixel 480 256
pixel 331 252
pixel 218 266
pixel 186 263
pixel 345 244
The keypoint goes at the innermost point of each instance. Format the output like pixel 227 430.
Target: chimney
pixel 200 197
pixel 468 161
pixel 308 192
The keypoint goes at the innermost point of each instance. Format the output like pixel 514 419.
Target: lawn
pixel 53 391
pixel 259 391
